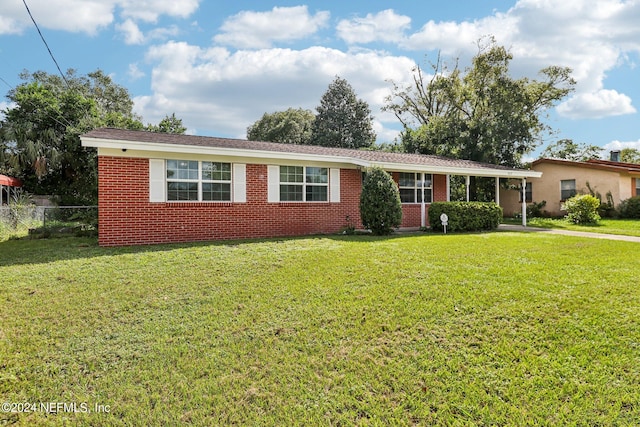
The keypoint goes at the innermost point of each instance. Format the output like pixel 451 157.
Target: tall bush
pixel 380 206
pixel 582 209
pixel 630 208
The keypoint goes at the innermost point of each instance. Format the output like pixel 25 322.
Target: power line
pixel 5 82
pixel 45 43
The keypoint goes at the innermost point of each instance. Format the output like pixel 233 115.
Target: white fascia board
pixel 122 145
pixel 215 151
pixel 445 170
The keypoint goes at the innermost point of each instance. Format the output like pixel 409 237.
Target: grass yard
pixel 477 329
pixel 625 227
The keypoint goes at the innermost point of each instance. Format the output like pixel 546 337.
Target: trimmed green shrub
pixel 582 209
pixel 534 210
pixel 380 206
pixel 465 216
pixel 630 208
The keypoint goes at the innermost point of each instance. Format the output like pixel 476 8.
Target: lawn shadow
pixel 28 251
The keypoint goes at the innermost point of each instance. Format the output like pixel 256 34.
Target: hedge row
pixel 465 216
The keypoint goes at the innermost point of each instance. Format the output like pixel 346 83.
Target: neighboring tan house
pixel 562 179
pixel 158 187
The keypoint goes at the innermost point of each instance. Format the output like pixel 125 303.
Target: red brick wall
pixel 126 216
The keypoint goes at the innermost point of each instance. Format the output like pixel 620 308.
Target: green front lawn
pixel 481 329
pixel 626 227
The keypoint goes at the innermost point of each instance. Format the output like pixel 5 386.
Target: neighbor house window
pixel 637 186
pixel 191 180
pixel 567 189
pixel 410 185
pixel 528 193
pixel 304 184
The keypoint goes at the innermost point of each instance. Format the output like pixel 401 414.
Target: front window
pixel 304 184
pixel 567 189
pixel 190 180
pixel 410 185
pixel 528 193
pixel 637 186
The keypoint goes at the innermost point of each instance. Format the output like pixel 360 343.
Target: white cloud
pixel 589 37
pixel 596 105
pixel 256 30
pixel 87 16
pixel 134 72
pixel 151 10
pixel 384 26
pixel 222 92
pixel 131 32
pixel 619 145
pixel 134 36
pixel 68 15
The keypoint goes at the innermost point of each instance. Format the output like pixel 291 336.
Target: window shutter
pixel 156 181
pixel 273 180
pixel 239 183
pixel 334 185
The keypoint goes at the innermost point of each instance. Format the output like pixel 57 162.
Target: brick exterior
pixel 126 217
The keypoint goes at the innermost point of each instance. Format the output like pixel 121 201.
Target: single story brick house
pixel 159 188
pixel 562 179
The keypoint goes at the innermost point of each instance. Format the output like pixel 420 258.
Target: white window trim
pixel 158 182
pixel 273 185
pixel 304 184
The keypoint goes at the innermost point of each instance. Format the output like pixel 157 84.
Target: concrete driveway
pixel 520 228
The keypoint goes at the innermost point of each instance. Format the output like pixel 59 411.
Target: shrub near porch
pixel 465 216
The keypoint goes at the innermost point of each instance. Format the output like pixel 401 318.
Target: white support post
pixel 467 184
pixel 524 202
pixel 498 191
pixel 448 188
pixel 423 220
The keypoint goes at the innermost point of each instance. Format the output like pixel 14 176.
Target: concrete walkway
pixel 520 228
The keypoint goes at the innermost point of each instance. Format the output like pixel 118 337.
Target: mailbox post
pixel 444 219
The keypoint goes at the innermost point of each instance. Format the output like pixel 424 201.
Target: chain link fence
pixel 44 221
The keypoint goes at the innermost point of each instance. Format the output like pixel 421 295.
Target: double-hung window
pixel 567 189
pixel 304 184
pixel 410 185
pixel 191 180
pixel 528 191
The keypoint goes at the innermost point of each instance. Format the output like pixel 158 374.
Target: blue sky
pixel 220 65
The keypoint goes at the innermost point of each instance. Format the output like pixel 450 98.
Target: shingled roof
pixel 119 138
pixel 620 167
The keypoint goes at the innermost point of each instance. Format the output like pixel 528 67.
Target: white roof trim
pixel 263 154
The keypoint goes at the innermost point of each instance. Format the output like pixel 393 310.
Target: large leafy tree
pixel 630 155
pixel 569 150
pixel 170 124
pixel 343 120
pixel 480 113
pixel 292 126
pixel 40 132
